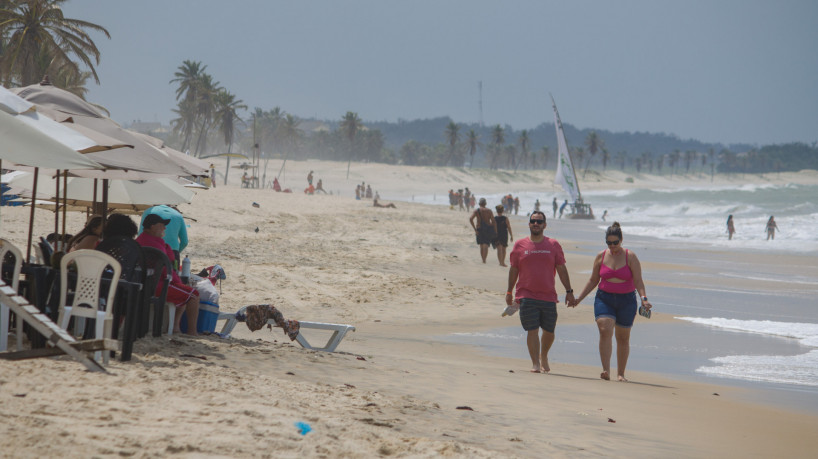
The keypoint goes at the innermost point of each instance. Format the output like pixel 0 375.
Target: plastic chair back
pixel 128 253
pixel 90 264
pixel 157 277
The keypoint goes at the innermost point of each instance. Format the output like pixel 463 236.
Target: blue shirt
pixel 175 231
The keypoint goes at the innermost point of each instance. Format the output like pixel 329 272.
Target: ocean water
pixel 695 213
pixel 745 320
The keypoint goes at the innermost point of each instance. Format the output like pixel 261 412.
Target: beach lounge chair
pixel 339 331
pixel 7 248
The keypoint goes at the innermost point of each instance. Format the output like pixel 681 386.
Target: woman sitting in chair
pixel 184 297
pixel 88 238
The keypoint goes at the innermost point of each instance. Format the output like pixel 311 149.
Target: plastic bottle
pixel 185 269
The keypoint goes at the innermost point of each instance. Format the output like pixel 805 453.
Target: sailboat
pixel 565 176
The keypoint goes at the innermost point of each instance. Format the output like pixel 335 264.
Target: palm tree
pixel 226 117
pixel 524 144
pixel 594 144
pixel 350 125
pixel 498 138
pixel 452 137
pixel 605 158
pixel 546 155
pixel 472 142
pixel 34 27
pixel 289 133
pixel 206 91
pixel 188 75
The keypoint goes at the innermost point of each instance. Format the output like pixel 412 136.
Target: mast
pixel 565 175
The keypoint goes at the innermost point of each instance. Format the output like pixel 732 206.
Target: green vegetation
pixel 37 40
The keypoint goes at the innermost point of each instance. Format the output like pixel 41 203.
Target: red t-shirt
pixel 537 265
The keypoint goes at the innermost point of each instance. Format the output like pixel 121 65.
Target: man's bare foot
pixel 621 378
pixel 544 368
pixel 604 375
pixel 534 370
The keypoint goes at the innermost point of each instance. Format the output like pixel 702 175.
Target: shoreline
pixel 402 277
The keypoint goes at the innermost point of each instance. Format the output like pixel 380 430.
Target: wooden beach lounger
pixel 339 331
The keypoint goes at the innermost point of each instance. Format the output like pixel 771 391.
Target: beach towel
pixel 257 315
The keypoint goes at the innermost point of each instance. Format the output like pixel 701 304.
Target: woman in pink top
pixel 619 275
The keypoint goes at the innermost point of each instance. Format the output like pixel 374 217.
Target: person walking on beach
pixel 534 262
pixel 309 178
pixel 730 228
pixel 537 205
pixel 771 227
pixel 604 214
pixel 619 275
pixel 503 234
pixel 555 206
pixel 212 175
pixel 485 229
pixel 562 207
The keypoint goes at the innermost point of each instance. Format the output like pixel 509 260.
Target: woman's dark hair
pixel 92 224
pixel 614 230
pixel 120 225
pixel 729 217
pixel 499 208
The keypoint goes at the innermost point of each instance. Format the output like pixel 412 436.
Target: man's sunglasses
pixel 616 242
pixel 536 222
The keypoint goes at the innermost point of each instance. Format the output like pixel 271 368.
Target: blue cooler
pixel 208 316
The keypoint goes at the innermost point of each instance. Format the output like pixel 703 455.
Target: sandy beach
pixel 403 277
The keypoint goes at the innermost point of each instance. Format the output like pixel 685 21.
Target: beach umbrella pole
pixel 31 215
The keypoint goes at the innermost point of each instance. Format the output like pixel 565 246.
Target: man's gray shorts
pixel 538 314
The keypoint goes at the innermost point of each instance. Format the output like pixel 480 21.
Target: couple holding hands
pixel 616 272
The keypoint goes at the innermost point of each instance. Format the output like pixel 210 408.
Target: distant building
pixel 153 128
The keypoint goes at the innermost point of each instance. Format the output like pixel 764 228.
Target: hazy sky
pixel 717 71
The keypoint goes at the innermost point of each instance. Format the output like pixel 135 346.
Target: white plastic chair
pixel 6 247
pixel 91 264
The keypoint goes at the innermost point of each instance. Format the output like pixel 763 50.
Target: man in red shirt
pixel 184 297
pixel 534 262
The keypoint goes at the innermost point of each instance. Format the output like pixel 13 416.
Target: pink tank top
pixel 624 273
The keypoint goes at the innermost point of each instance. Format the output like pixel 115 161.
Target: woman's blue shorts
pixel 619 306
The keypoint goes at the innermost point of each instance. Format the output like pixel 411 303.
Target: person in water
pixel 771 227
pixel 618 273
pixel 730 227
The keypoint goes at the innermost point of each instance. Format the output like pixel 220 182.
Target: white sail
pixel 565 176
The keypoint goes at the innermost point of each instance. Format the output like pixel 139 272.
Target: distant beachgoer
pixel 771 227
pixel 368 192
pixel 555 206
pixel 276 185
pixel 310 189
pixel 537 205
pixel 89 237
pixel 460 205
pixel 245 180
pixel 377 196
pixel 358 192
pixel 320 187
pixel 451 199
pixel 212 175
pixel 377 204
pixel 516 205
pixel 473 202
pixel 535 260
pixel 604 214
pixel 485 229
pixel 467 199
pixel 562 207
pixel 730 227
pixel 618 273
pixel 503 234
pixel 309 178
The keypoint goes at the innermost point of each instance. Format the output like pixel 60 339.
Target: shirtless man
pixel 486 228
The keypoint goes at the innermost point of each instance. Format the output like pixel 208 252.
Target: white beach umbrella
pixel 122 194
